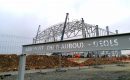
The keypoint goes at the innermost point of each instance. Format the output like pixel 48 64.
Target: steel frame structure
pixel 74 29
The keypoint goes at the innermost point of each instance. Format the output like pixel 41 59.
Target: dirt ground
pixel 101 72
pixel 11 62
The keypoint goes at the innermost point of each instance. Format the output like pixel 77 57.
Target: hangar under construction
pixel 74 30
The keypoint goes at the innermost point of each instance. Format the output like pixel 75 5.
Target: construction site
pixel 66 57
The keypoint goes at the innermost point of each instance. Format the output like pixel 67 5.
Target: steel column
pixel 107 29
pixel 97 31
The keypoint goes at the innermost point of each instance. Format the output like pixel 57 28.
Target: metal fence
pixel 12 44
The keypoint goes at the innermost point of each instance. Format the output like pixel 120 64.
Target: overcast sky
pixel 22 17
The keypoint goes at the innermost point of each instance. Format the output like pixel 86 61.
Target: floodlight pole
pixel 21 70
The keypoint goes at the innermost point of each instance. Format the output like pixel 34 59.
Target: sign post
pixel 22 62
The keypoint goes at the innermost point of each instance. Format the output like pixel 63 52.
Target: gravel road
pixel 104 72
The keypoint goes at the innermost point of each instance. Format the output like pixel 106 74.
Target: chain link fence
pixel 12 44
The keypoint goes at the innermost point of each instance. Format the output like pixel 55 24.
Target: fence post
pixel 21 70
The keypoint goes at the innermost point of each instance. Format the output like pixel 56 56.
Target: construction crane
pixel 62 36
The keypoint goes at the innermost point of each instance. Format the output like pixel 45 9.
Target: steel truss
pixel 74 29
